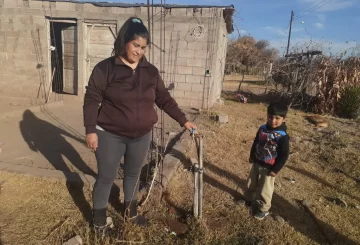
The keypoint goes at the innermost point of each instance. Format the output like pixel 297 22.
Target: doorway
pixel 64 56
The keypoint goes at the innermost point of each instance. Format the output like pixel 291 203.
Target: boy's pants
pixel 260 188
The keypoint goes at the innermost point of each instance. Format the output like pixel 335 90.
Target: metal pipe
pixel 201 184
pixel 196 191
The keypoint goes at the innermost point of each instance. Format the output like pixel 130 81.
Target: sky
pixel 332 26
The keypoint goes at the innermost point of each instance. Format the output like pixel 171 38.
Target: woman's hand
pixel 92 141
pixel 190 126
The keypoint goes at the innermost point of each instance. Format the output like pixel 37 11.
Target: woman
pixel 119 115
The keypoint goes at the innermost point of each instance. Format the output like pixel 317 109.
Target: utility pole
pixel 291 21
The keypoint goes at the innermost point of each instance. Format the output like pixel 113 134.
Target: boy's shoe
pixel 102 230
pixel 244 202
pixel 261 215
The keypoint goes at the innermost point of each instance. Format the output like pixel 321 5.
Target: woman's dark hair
pixel 131 29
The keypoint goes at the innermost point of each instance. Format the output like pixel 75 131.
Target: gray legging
pixel 109 153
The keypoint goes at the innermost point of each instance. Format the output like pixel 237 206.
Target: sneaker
pixel 101 231
pixel 261 215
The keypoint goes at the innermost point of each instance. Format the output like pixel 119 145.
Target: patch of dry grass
pixel 34 209
pixel 226 152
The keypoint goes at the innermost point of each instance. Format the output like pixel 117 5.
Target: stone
pixel 353 206
pixel 279 219
pixel 77 240
pixel 172 210
pixel 222 118
pixel 175 227
pixel 220 101
pixel 306 203
pixel 341 202
pixel 171 134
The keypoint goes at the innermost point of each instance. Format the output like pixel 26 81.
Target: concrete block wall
pixel 22 49
pixel 24 45
pixel 219 59
pixel 217 46
pixel 185 58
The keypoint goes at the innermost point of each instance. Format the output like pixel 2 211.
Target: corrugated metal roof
pixel 228 10
pixel 130 5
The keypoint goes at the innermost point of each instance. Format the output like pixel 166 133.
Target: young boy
pixel 269 153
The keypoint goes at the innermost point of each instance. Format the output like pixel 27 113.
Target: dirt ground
pixel 310 174
pixel 52 138
pixel 248 84
pixel 38 211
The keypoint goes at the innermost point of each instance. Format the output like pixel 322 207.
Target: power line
pixel 314 8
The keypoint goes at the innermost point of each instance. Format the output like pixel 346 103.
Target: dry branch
pixel 57 227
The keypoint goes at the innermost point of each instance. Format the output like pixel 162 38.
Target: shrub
pixel 349 103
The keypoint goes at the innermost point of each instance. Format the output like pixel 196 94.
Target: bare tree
pixel 247 52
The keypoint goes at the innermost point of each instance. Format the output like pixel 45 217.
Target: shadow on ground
pixel 303 223
pixel 47 139
pixel 323 182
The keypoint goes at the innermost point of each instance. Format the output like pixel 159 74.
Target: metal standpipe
pixel 197 168
pixel 196 190
pixel 201 184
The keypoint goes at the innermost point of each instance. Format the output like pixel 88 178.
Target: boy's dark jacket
pixel 271 147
